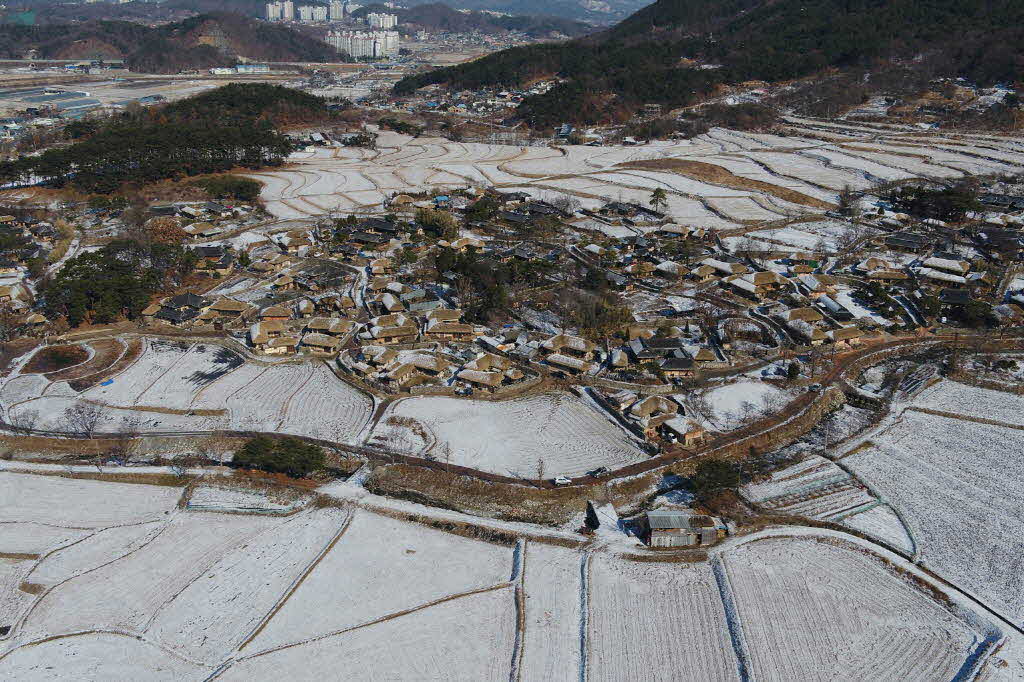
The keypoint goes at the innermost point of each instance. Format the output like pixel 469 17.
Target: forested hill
pixel 199 42
pixel 438 16
pixel 654 55
pixel 233 126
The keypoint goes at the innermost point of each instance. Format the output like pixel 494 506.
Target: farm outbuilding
pixel 682 528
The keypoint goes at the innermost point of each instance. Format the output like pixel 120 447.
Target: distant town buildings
pixel 311 14
pixel 381 21
pixel 281 11
pixel 336 10
pixel 375 44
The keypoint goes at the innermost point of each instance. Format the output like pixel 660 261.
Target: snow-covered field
pixel 551 645
pixel 559 430
pixel 222 496
pixel 950 396
pixel 343 592
pixel 819 489
pixel 811 610
pixel 170 382
pixel 957 484
pixel 650 621
pixel 220 607
pixel 329 178
pixel 733 405
pixel 75 503
pixel 356 581
pixel 469 638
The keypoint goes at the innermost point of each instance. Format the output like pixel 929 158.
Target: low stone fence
pixel 432 390
pixel 643 389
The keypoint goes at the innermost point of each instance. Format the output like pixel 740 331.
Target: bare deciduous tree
pixel 563 202
pixel 82 418
pixel 125 438
pixel 25 419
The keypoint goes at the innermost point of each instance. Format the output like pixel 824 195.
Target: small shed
pixel 682 528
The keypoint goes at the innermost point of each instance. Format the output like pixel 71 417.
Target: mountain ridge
pixel 677 52
pixel 203 41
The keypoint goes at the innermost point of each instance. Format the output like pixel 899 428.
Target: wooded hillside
pixel 200 42
pixel 640 60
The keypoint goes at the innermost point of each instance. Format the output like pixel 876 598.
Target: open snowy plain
pixel 121 582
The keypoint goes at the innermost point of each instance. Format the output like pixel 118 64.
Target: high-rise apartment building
pixel 309 14
pixel 374 44
pixel 381 21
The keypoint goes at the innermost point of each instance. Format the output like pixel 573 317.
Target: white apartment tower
pixel 381 21
pixel 309 14
pixel 337 10
pixel 287 10
pixel 273 11
pixel 374 44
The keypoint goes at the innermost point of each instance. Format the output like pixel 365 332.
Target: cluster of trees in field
pixel 639 61
pixel 116 282
pixel 943 203
pixel 289 456
pixel 229 127
pixel 746 116
pixel 229 187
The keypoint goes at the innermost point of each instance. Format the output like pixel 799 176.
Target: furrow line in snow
pixel 28 612
pixel 584 613
pixel 376 621
pixel 164 373
pixel 297 583
pixel 731 618
pixel 518 578
pixel 288 402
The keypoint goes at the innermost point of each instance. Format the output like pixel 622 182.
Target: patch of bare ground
pixel 340 465
pixel 272 489
pixel 255 479
pixel 55 358
pixel 709 172
pixel 503 501
pixel 105 353
pixel 462 528
pixel 63 450
pixel 166 410
pixel 14 349
pixel 669 557
pixel 32 588
pixel 170 480
pixel 131 354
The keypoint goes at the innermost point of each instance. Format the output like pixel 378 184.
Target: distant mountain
pixel 203 41
pixel 594 11
pixel 438 16
pixel 676 52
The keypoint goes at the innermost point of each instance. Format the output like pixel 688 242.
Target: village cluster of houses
pixel 376 302
pixel 29 240
pixel 207 219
